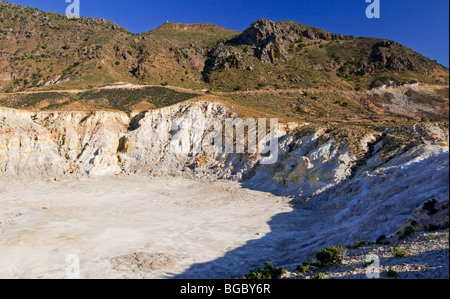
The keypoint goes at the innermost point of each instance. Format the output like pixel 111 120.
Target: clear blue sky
pixel 418 24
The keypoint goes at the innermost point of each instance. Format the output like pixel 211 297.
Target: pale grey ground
pixel 127 226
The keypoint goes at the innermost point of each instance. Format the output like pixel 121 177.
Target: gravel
pixel 427 258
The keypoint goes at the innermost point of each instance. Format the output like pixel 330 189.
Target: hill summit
pixel 284 68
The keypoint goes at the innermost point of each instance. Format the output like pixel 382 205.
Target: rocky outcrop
pixel 59 144
pixel 168 141
pixel 407 100
pixel 271 40
pixel 190 58
pixel 222 58
pixel 384 57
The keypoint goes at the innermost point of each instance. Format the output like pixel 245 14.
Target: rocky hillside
pixel 284 68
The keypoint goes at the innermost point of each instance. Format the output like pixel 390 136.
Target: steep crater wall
pixel 359 194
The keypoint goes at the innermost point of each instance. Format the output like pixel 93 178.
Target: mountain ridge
pixel 42 51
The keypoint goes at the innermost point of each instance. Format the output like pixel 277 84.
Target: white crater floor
pixel 134 227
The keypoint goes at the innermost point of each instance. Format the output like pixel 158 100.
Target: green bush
pixel 302 268
pixel 432 227
pixel 400 252
pixel 408 230
pixel 432 236
pixel 261 84
pixel 430 206
pixel 380 239
pixel 319 276
pixel 391 273
pixel 268 272
pixel 322 114
pixel 300 47
pixel 359 244
pixel 330 256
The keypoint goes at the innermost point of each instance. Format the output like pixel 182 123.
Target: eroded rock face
pixel 59 144
pixel 408 100
pixel 190 58
pixel 272 39
pixel 223 58
pixel 170 141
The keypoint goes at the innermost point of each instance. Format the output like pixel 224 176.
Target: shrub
pixel 130 53
pixel 302 268
pixel 430 206
pixel 319 276
pixel 380 239
pixel 301 46
pixel 322 114
pixel 261 84
pixel 268 272
pixel 117 62
pixel 432 236
pixel 359 244
pixel 400 252
pixel 207 78
pixel 432 227
pixel 330 256
pixel 408 231
pixel 391 273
